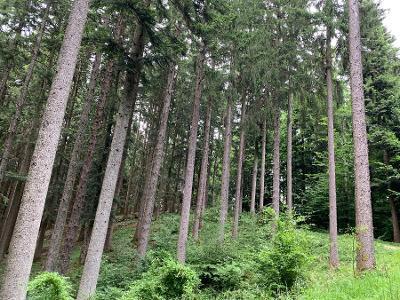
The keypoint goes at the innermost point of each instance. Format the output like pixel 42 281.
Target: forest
pixel 198 149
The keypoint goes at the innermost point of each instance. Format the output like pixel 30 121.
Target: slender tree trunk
pixel 363 206
pixel 23 243
pixel 73 169
pixel 289 180
pixel 238 196
pixel 333 235
pixel 40 242
pixel 276 162
pixel 144 222
pixel 20 103
pixel 225 170
pixel 72 227
pixel 201 194
pixel 262 172
pixel 191 156
pixel 395 220
pixel 254 187
pixel 393 209
pixel 91 268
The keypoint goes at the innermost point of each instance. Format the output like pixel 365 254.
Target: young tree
pixel 23 243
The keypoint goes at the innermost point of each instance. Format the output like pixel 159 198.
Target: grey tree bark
pixel 289 179
pixel 201 194
pixel 144 222
pixel 23 243
pixel 363 206
pixel 189 172
pixel 91 268
pixel 262 171
pixel 73 169
pixel 20 103
pixel 254 187
pixel 333 234
pixel 225 170
pixel 276 161
pixel 238 194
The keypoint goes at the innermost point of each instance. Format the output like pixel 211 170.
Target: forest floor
pixel 318 282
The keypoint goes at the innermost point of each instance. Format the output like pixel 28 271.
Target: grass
pixel 344 283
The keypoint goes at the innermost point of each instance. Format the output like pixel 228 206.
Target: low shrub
pixel 165 280
pixel 49 286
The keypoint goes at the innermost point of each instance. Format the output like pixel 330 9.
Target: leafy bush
pixel 284 263
pixel 164 281
pixel 49 286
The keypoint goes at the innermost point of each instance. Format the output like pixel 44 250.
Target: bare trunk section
pixel 289 178
pixel 23 243
pixel 238 195
pixel 91 268
pixel 262 172
pixel 395 220
pixel 225 170
pixel 20 103
pixel 254 187
pixel 73 170
pixel 333 234
pixel 363 206
pixel 145 218
pixel 72 227
pixel 201 194
pixel 393 209
pixel 276 161
pixel 191 156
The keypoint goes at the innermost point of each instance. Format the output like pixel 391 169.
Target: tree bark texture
pixel 23 243
pixel 363 206
pixel 73 170
pixel 201 194
pixel 91 268
pixel 191 156
pixel 238 194
pixel 333 234
pixel 262 171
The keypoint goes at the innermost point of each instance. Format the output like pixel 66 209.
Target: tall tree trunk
pixel 276 161
pixel 23 243
pixel 201 194
pixel 262 172
pixel 73 169
pixel 289 179
pixel 225 170
pixel 72 227
pixel 333 234
pixel 363 206
pixel 254 187
pixel 191 156
pixel 91 268
pixel 20 103
pixel 238 195
pixel 144 222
